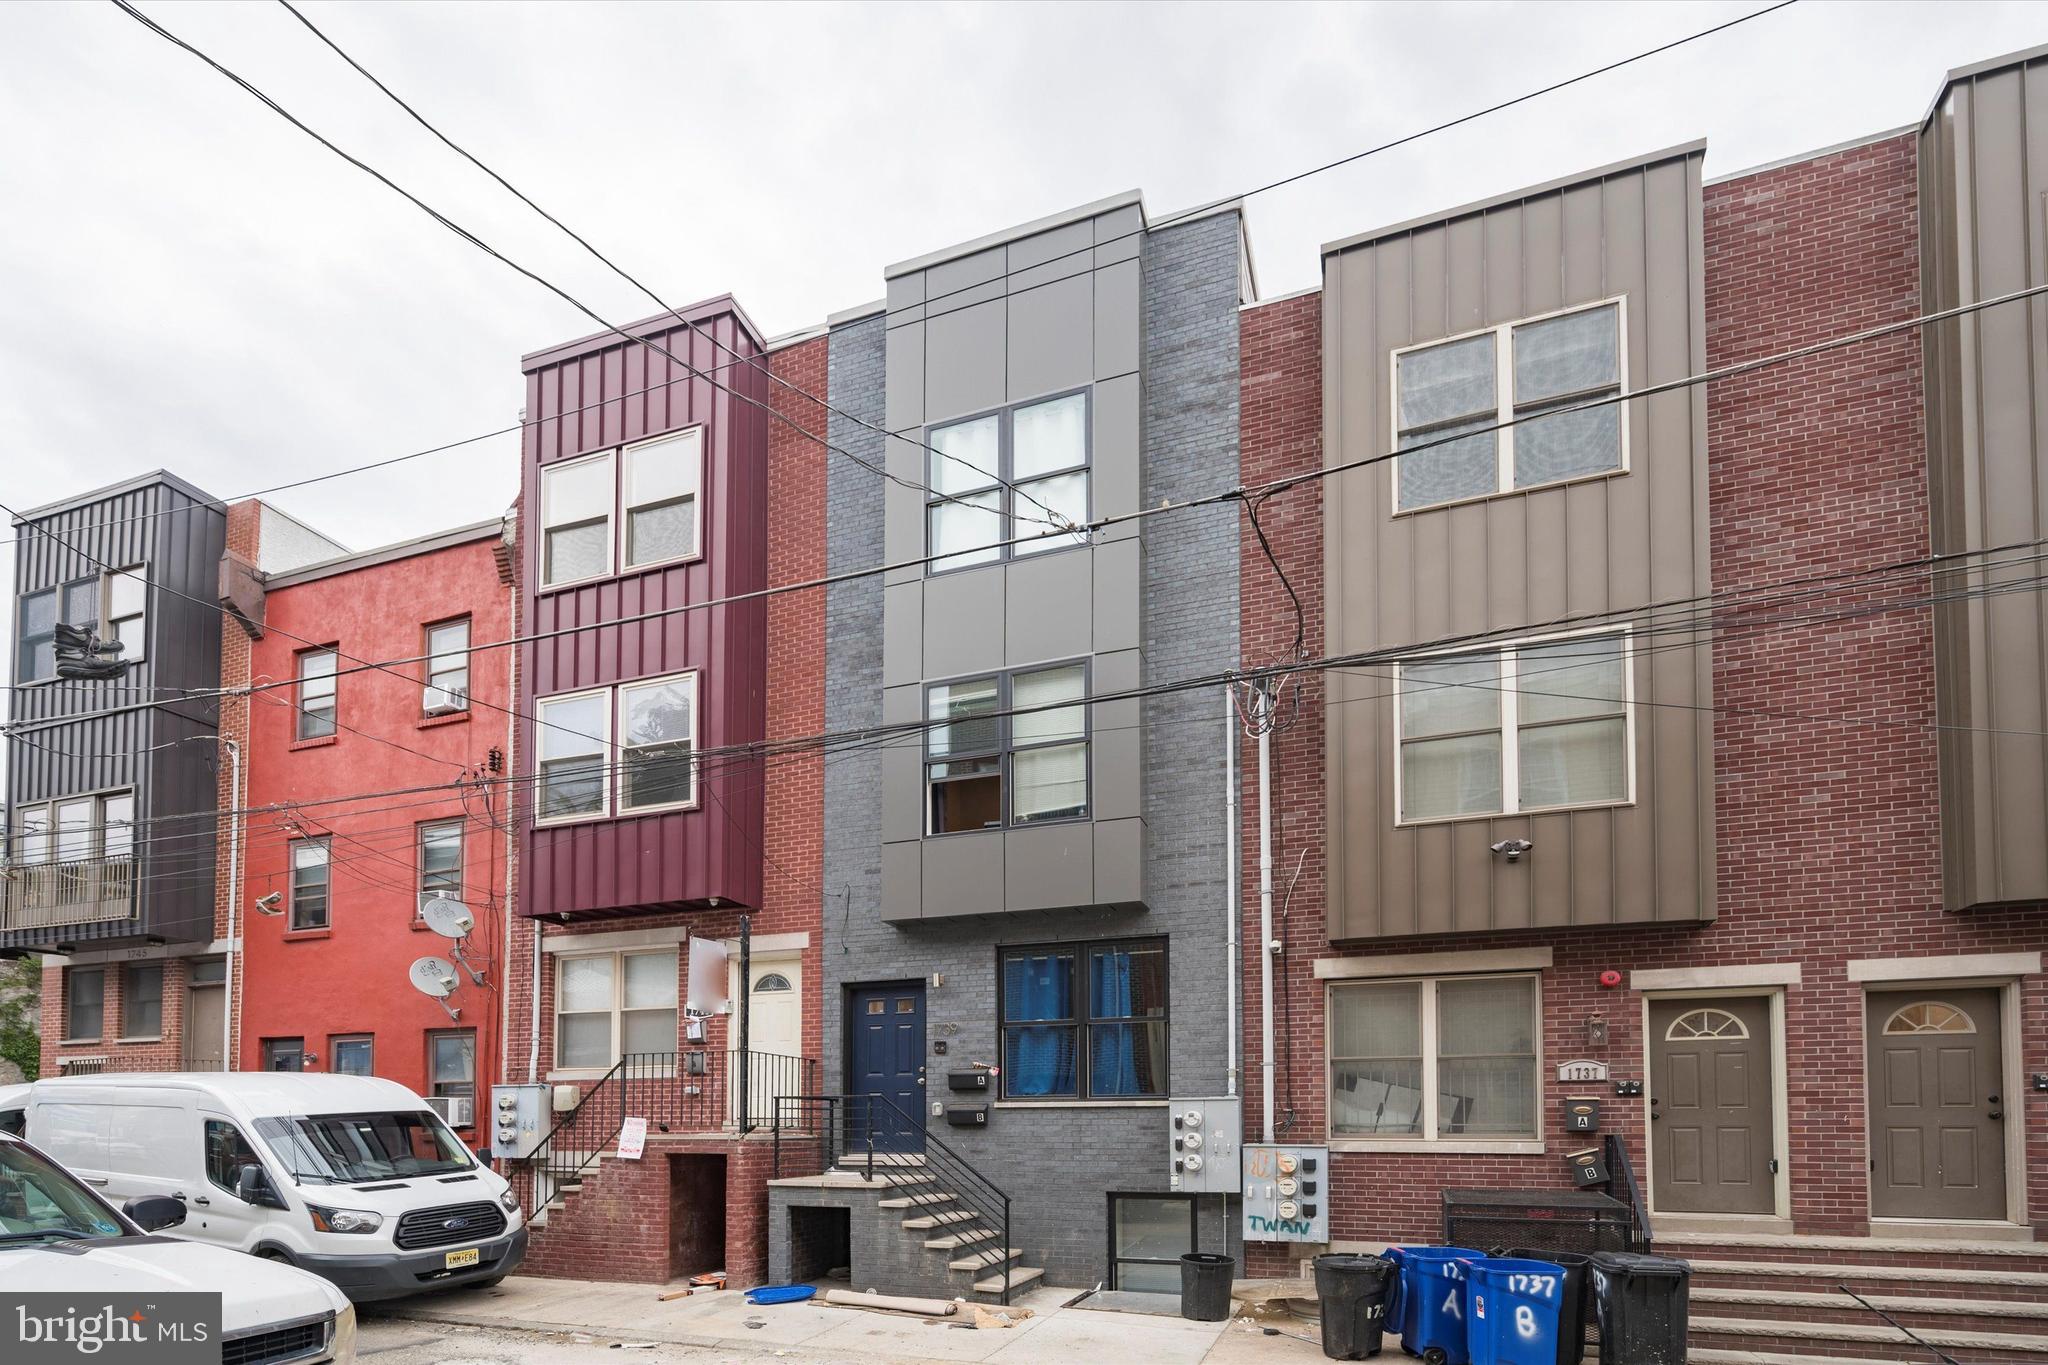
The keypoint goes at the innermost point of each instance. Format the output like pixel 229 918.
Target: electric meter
pixel 1289 1209
pixel 1202 1144
pixel 1194 1142
pixel 1286 1193
pixel 1289 1186
pixel 1288 1163
pixel 1193 1118
pixel 1193 1163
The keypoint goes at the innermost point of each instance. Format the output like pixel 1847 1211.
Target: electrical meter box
pixel 519 1120
pixel 1286 1193
pixel 1202 1137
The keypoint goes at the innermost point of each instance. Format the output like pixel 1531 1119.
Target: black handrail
pixel 850 1128
pixel 1621 1176
pixel 694 1090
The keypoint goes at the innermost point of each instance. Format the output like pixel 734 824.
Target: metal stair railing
pixel 1622 1183
pixel 553 1167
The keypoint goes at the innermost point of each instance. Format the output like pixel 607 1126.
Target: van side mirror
pixel 154 1212
pixel 252 1186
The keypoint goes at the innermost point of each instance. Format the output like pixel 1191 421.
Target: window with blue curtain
pixel 1085 1021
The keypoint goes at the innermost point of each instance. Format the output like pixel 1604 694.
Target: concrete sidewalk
pixel 1053 1335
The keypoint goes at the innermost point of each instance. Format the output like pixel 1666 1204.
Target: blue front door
pixel 885 1059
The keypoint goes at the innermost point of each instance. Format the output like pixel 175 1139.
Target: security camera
pixel 1513 849
pixel 272 904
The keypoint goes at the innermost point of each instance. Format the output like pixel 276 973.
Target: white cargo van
pixel 350 1177
pixel 57 1235
pixel 13 1109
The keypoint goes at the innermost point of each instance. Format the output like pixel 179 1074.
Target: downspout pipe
pixel 1232 897
pixel 227 1021
pixel 1265 715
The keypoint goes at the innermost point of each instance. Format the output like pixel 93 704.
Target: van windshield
pixel 343 1149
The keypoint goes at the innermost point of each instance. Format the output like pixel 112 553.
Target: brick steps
pixel 1933 1253
pixel 1020 1276
pixel 1915 1311
pixel 1796 1277
pixel 1876 1341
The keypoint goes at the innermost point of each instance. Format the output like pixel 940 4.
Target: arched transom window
pixel 1929 1016
pixel 771 981
pixel 1706 1023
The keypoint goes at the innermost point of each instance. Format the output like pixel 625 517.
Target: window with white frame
pixel 37 615
pixel 447 689
pixel 611 1005
pixel 126 613
pixel 1534 726
pixel 311 884
pixel 75 829
pixel 657 743
pixel 576 520
pixel 652 765
pixel 662 479
pixel 573 736
pixel 441 860
pixel 1446 392
pixel 1452 1058
pixel 1018 472
pixel 985 768
pixel 316 694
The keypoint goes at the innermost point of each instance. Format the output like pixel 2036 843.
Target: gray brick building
pixel 1058 867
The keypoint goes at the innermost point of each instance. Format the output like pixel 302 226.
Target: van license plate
pixel 458 1259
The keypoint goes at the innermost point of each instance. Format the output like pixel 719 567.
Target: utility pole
pixel 746 1012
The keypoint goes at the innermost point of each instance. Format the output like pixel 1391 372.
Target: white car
pixel 14 1109
pixel 353 1178
pixel 60 1236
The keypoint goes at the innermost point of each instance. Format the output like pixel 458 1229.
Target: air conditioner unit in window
pixel 457 1111
pixel 443 701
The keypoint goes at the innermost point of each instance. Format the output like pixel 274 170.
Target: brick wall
pixel 1824 754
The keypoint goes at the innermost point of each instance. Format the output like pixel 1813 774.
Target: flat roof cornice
pixel 645 327
pixel 1697 147
pixel 1011 234
pixel 113 490
pixel 385 554
pixel 1985 67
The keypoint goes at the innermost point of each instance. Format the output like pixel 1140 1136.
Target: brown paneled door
pixel 1937 1120
pixel 1712 1125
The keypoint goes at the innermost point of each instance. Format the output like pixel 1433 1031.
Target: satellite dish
pixel 435 976
pixel 448 918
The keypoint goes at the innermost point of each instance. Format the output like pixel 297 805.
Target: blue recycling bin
pixel 1516 1307
pixel 1432 1305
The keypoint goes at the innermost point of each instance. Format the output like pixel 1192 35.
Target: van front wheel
pixel 273 1254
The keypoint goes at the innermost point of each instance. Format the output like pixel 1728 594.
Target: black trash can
pixel 1354 1291
pixel 1641 1303
pixel 1205 1286
pixel 1571 1313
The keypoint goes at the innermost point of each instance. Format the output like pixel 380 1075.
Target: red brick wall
pixel 1826 827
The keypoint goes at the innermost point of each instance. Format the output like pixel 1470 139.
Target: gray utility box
pixel 518 1120
pixel 1203 1137
pixel 1286 1193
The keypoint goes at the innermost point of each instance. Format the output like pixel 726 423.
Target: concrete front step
pixel 984 1260
pixel 904 1201
pixel 954 1241
pixel 1915 1311
pixel 937 1220
pixel 1020 1276
pixel 1925 1281
pixel 1874 1251
pixel 1799 1338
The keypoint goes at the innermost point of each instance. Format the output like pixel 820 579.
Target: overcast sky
pixel 190 283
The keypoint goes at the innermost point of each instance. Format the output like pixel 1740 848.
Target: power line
pixel 1170 221
pixel 1240 493
pixel 1053 519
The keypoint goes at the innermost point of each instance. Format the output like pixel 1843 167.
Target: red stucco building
pixel 332 883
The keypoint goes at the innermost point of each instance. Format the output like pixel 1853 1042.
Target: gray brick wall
pixel 1059 1165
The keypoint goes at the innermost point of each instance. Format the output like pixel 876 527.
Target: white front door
pixel 775 1036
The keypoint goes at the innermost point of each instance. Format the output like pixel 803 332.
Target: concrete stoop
pixel 962 1249
pixel 1776 1299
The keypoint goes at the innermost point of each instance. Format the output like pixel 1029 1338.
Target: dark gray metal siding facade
pixel 178 535
pixel 1983 172
pixel 1598 545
